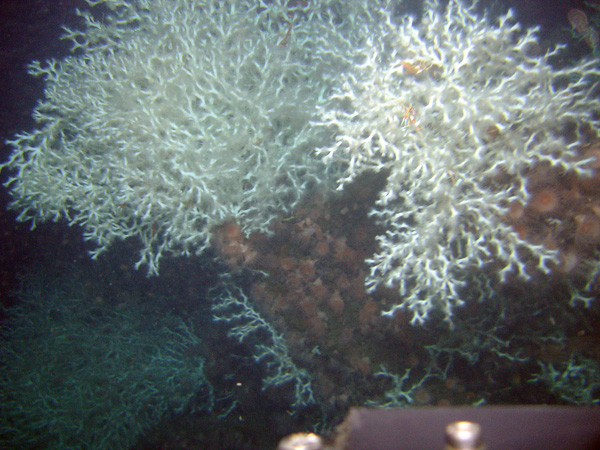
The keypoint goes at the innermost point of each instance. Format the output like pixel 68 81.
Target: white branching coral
pixel 455 110
pixel 175 116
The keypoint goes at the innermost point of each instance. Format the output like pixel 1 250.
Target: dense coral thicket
pixel 458 111
pixel 174 117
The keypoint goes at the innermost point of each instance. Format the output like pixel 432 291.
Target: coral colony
pixel 161 129
pixel 188 124
pixel 81 375
pixel 458 113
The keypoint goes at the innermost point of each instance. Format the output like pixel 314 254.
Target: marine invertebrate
pixel 493 109
pixel 233 247
pixel 545 200
pixel 232 306
pixel 81 374
pixel 160 129
pixel 587 231
pixel 579 22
